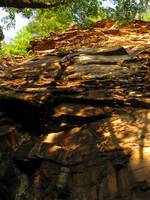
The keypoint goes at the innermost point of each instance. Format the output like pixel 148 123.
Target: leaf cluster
pixel 18 46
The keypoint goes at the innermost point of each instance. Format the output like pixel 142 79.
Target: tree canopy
pixel 80 11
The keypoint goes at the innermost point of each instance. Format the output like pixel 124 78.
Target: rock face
pixel 103 33
pixel 76 127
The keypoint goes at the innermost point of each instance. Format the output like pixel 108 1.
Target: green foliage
pixel 18 45
pixel 79 12
pixel 82 10
pixel 127 10
pixel 47 21
pixel 146 16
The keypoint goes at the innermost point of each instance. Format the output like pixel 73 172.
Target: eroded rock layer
pixel 76 127
pixel 102 33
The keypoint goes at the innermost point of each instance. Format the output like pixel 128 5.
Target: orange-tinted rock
pixel 93 104
pixel 99 35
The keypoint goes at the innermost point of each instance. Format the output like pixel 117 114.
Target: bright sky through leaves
pixel 20 22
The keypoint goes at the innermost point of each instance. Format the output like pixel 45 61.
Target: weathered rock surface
pixel 103 33
pixel 76 127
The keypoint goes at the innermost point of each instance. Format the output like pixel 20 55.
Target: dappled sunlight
pixel 50 138
pixel 69 139
pixel 54 149
pixel 107 134
pixel 140 163
pixel 88 125
pixel 130 127
pixel 130 130
pixel 72 137
pixel 139 157
pixel 63 110
pixel 78 110
pixel 89 111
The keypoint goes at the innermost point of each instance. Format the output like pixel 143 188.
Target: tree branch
pixel 29 4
